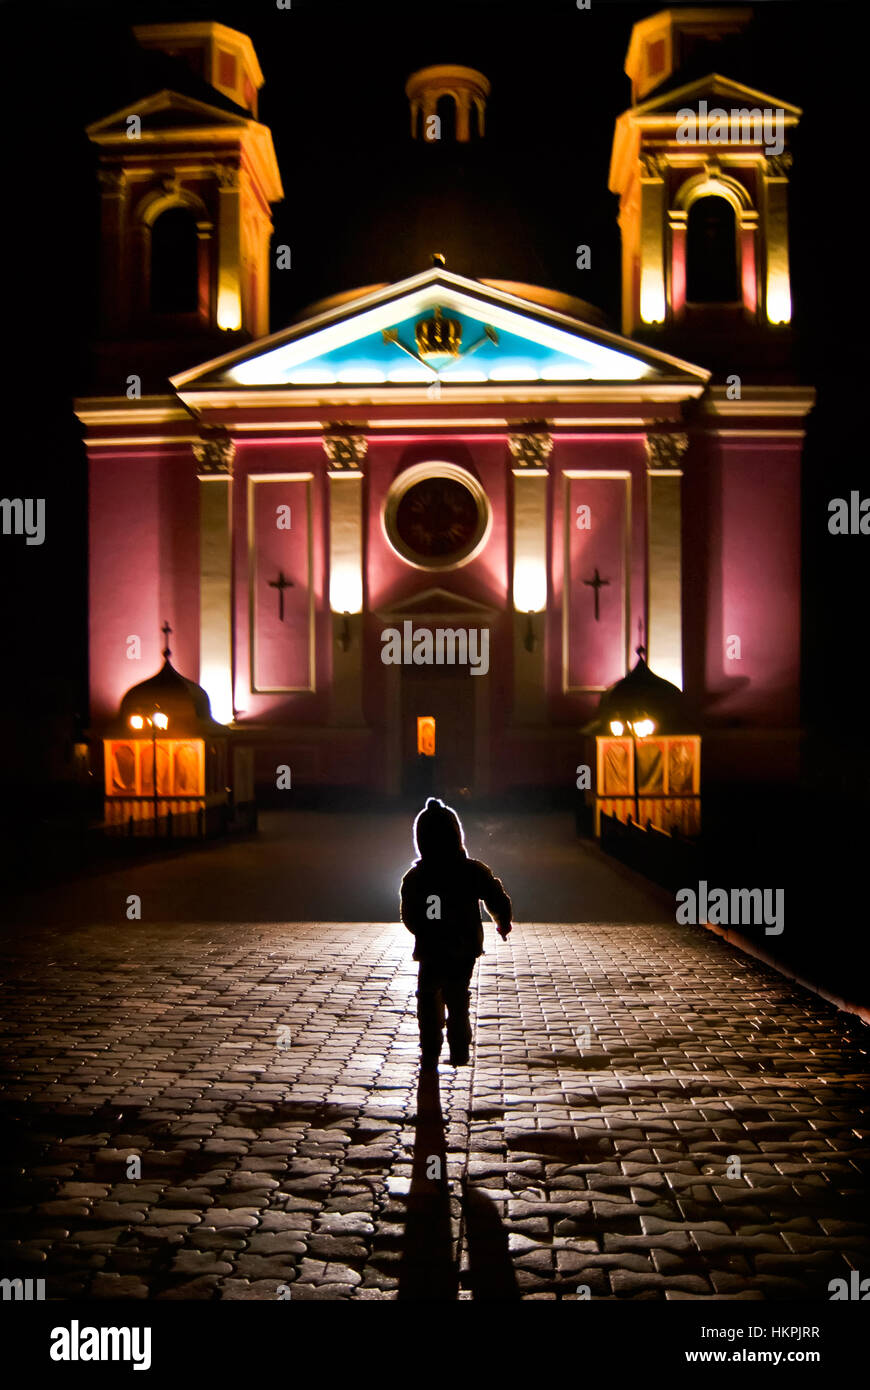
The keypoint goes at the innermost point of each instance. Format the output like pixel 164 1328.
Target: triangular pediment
pixel 437 603
pixel 162 111
pixel 371 341
pixel 716 90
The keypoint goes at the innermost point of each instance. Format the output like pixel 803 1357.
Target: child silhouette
pixel 440 905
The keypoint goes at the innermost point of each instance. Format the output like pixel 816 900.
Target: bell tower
pixel 447 101
pixel 701 167
pixel 188 175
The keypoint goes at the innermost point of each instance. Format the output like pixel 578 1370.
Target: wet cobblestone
pixel 648 1114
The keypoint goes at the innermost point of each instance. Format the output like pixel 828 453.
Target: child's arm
pixel 497 902
pixel 411 906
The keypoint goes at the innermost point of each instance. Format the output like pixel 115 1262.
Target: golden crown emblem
pixel 438 337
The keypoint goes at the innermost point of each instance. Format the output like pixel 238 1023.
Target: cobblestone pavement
pixel 618 1074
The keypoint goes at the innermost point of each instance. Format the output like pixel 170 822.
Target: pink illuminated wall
pixel 595 648
pixel 279 578
pixel 389 577
pixel 144 559
pixel 597 576
pixel 742 581
pixel 678 270
pixel 281 649
pixel 391 581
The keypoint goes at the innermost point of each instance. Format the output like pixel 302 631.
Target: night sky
pixel 363 204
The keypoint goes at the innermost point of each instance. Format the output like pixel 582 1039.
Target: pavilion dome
pixel 642 692
pixel 185 704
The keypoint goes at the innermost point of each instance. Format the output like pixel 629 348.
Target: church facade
pixel 443 512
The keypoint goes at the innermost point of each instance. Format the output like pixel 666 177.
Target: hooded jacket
pixel 441 893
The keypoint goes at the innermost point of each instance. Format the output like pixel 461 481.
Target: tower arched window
pixel 174 263
pixel 446 112
pixel 711 252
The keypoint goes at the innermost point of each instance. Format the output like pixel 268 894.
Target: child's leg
pixel 458 999
pixel 430 1011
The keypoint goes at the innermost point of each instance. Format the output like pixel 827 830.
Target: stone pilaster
pixel 114 293
pixel 653 288
pixel 214 455
pixel 229 289
pixel 530 448
pixel 777 302
pixel 665 581
pixel 346 452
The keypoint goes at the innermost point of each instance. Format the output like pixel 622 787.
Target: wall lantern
pixel 530 595
pixel 345 599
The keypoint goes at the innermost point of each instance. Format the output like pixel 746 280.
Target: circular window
pixel 437 516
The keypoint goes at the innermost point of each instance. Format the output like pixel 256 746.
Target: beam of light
pixel 778 298
pixel 311 376
pixel 514 371
pixel 352 376
pixel 530 586
pixel 652 296
pixel 345 589
pixel 229 313
pixel 216 681
pixel 410 375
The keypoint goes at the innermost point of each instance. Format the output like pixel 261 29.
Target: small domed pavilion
pixel 647 753
pixel 167 718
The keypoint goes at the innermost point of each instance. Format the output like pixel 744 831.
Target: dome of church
pixel 485 187
pixel 185 704
pixel 567 304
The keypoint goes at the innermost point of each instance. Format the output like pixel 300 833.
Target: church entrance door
pixel 446 693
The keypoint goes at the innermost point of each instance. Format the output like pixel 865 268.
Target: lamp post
pixel 155 720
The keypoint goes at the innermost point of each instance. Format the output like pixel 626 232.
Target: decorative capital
pixel 665 450
pixel 228 176
pixel 778 165
pixel 531 445
pixel 215 451
pixel 112 181
pixel 343 448
pixel 652 165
